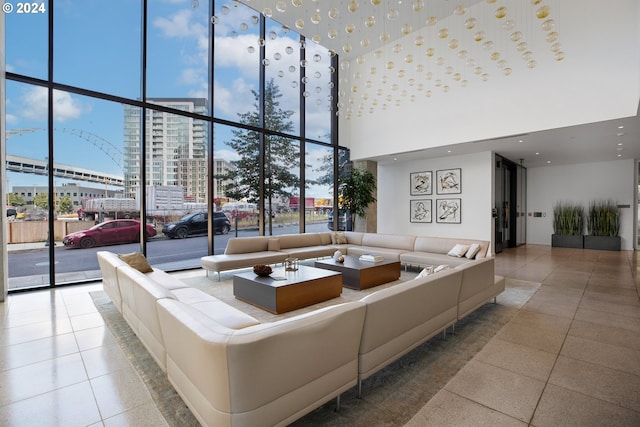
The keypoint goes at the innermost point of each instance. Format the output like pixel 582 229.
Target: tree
pixel 281 155
pixel 16 199
pixel 355 190
pixel 41 200
pixel 65 205
pixel 326 167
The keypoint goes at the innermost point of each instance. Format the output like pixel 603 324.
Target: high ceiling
pixel 357 29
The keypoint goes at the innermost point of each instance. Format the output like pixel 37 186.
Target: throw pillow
pixel 458 250
pixel 425 272
pixel 273 244
pixel 137 261
pixel 338 238
pixel 473 251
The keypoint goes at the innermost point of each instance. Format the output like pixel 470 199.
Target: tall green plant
pixel 603 219
pixel 568 219
pixel 355 190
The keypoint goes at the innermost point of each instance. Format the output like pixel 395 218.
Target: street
pixel 160 252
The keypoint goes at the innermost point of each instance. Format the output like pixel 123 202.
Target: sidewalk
pixel 19 247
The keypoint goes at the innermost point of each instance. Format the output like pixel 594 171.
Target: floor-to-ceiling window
pixel 184 125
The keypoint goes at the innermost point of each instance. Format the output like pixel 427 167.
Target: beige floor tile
pixel 545 297
pixel 549 307
pixel 86 321
pixel 625 282
pixel 73 405
pixel 456 411
pixel 517 358
pixel 608 319
pixel 538 320
pixel 104 360
pixel 592 287
pixel 561 407
pixel 30 352
pixel 605 334
pixel 94 337
pixel 607 355
pixel 611 307
pixel 499 389
pixel 567 278
pixel 539 339
pixel 42 377
pixel 119 392
pixel 36 331
pixel 606 384
pixel 142 416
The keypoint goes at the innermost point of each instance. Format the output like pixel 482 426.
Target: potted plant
pixel 568 223
pixel 603 225
pixel 355 190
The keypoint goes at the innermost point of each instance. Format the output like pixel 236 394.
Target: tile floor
pixel 571 356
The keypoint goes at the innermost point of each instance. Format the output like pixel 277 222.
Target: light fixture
pixel 453 45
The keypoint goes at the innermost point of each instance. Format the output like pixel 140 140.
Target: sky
pixel 102 53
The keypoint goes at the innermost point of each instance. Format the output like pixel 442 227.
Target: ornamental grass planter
pixel 604 243
pixel 567 241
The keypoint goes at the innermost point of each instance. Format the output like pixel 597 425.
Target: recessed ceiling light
pixel 620 127
pixel 538 153
pixel 448 151
pixel 619 155
pixel 620 134
pixel 521 140
pixel 548 161
pixel 619 143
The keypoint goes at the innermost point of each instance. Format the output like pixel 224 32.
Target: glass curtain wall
pixel 231 126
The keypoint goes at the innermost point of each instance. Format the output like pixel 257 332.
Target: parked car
pixel 110 232
pixel 12 213
pixel 196 223
pixel 343 220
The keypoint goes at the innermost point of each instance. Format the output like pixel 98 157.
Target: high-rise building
pixel 171 139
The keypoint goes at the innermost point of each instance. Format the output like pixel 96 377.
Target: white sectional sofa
pixel 232 370
pixel 229 368
pixel 243 252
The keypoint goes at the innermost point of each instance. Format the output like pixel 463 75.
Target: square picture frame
pixel 421 183
pixel 449 211
pixel 420 210
pixel 449 181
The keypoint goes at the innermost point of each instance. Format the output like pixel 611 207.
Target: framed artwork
pixel 448 181
pixel 448 211
pixel 420 210
pixel 421 183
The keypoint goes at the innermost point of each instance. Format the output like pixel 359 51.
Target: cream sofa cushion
pixel 458 250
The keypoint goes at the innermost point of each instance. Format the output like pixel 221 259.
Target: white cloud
pixel 227 155
pixel 65 107
pixel 11 119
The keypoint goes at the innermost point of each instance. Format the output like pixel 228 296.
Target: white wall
pixel 476 195
pixel 580 183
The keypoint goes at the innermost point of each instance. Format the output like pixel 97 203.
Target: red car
pixel 111 232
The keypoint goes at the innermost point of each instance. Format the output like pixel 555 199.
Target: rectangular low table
pixel 360 275
pixel 304 287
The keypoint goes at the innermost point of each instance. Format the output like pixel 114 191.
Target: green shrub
pixel 568 219
pixel 603 218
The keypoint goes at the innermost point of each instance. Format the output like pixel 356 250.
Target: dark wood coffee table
pixel 301 288
pixel 360 275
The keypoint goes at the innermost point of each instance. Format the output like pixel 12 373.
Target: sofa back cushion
pixel 299 240
pixel 354 237
pixel 243 245
pixel 395 241
pixel 442 245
